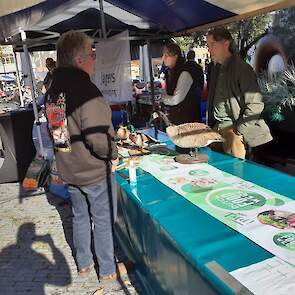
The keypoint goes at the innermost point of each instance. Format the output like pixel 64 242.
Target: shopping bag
pixel 57 186
pixel 37 174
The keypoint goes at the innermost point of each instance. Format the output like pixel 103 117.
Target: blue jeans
pixel 90 204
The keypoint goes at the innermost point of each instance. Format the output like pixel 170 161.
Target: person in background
pixel 79 120
pixel 15 97
pixel 208 69
pixel 181 85
pixel 196 70
pixel 50 65
pixel 235 101
pixel 27 95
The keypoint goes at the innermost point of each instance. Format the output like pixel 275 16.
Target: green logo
pixel 189 188
pixel 275 202
pixel 285 240
pixel 198 172
pixel 234 199
pixel 168 168
pixel 163 160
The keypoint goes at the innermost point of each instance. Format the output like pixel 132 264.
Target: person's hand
pixel 45 239
pixel 114 164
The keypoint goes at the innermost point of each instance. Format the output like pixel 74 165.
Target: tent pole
pixel 38 124
pixel 102 20
pixel 104 35
pixel 152 83
pixel 141 57
pixel 151 73
pixel 18 80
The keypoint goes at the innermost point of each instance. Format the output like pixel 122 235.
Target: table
pixel 16 134
pixel 177 247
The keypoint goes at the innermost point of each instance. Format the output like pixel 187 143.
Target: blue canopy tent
pixel 141 16
pixel 43 21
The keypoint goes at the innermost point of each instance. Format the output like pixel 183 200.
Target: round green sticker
pixel 189 188
pixel 235 199
pixel 168 168
pixel 275 202
pixel 198 172
pixel 285 240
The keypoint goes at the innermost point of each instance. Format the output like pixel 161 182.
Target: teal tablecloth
pixel 171 240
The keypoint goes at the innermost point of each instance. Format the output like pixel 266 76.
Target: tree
pixel 196 39
pixel 247 32
pixel 185 43
pixel 1 54
pixel 2 57
pixel 283 28
pixel 200 38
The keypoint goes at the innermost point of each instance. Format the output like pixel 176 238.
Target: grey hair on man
pixel 71 45
pixel 222 34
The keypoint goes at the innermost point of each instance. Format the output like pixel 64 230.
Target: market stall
pixel 177 247
pixel 177 244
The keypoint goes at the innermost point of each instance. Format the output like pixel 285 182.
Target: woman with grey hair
pixel 80 123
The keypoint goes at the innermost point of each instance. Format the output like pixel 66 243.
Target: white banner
pixel 265 217
pixel 113 68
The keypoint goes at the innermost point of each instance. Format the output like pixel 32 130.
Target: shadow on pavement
pixel 23 267
pixel 64 209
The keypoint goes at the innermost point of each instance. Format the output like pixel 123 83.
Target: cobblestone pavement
pixel 35 256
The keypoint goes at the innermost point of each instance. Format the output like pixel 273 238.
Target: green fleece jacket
pixel 243 101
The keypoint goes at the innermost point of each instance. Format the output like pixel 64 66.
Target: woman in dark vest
pixel 180 97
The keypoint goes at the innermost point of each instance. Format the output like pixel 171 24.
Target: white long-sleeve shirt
pixel 183 86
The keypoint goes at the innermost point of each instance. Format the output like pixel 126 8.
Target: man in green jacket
pixel 235 101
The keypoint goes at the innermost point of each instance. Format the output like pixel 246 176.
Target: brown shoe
pixel 110 284
pixel 108 278
pixel 85 270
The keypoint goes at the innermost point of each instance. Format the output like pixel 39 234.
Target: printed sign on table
pixel 263 216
